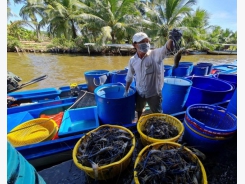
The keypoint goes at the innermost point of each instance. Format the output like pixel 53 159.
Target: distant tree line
pixel 71 23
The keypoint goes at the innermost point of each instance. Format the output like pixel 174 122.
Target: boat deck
pixel 221 167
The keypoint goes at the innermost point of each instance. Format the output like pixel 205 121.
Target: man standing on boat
pixel 147 66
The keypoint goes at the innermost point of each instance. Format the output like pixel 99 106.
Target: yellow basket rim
pixel 204 175
pixel 33 120
pixel 21 127
pixel 159 140
pixel 119 162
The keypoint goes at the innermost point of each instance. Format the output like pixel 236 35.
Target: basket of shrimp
pixel 158 127
pixel 168 162
pixel 104 152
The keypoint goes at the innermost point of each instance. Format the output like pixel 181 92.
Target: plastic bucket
pixel 174 94
pixel 213 121
pixel 207 90
pixel 108 171
pixel 200 70
pixel 209 65
pixel 118 76
pixel 181 71
pixel 162 146
pixel 187 63
pixel 19 170
pixel 232 106
pixel 93 78
pixel 146 140
pixel 168 70
pixel 112 107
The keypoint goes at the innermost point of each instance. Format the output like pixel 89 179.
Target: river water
pixel 64 69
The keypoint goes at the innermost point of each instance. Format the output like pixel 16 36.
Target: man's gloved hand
pixel 175 35
pixel 126 93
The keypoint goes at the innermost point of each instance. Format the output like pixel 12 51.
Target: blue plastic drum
pixel 118 76
pixel 181 71
pixel 200 70
pixel 95 78
pixel 187 63
pixel 232 106
pixel 209 65
pixel 168 70
pixel 174 94
pixel 112 107
pixel 207 90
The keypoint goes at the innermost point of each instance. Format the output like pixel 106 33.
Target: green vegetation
pixel 71 23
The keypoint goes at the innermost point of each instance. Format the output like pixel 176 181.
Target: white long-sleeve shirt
pixel 149 72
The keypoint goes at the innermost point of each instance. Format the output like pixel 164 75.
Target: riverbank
pixel 88 49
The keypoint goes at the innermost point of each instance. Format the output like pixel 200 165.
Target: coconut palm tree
pixel 14 27
pixel 164 15
pixel 196 29
pixel 110 20
pixel 33 10
pixel 63 17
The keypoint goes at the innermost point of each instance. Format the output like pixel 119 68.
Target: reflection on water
pixel 63 69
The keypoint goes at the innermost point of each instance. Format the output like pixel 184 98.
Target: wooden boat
pixel 224 52
pixel 196 52
pixel 227 49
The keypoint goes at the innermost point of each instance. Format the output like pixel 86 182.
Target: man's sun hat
pixel 139 36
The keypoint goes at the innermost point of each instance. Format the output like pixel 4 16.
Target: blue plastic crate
pixel 76 121
pixel 16 119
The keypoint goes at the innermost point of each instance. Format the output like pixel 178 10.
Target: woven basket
pixel 146 140
pixel 33 131
pixel 167 145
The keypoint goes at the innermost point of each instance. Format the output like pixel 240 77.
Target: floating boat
pixel 224 52
pixel 57 150
pixel 30 97
pixel 196 52
pixel 227 49
pixel 46 153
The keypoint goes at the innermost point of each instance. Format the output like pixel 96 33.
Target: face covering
pixel 144 47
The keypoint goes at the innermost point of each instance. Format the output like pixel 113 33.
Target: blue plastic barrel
pixel 187 63
pixel 207 90
pixel 168 70
pixel 232 106
pixel 231 78
pixel 209 65
pixel 174 94
pixel 112 107
pixel 93 78
pixel 19 170
pixel 200 70
pixel 181 71
pixel 118 76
